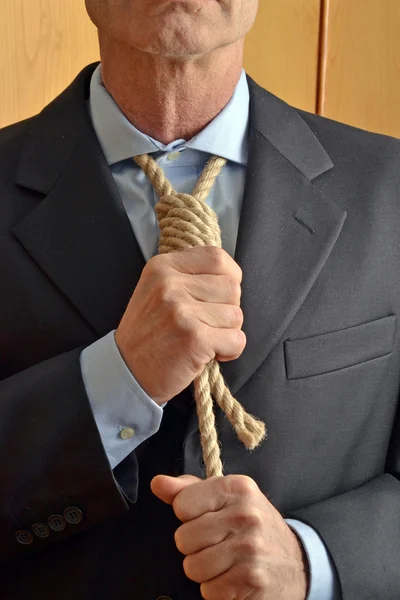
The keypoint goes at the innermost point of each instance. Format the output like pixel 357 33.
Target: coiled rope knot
pixel 185 221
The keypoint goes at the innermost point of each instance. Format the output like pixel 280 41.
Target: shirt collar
pixel 226 135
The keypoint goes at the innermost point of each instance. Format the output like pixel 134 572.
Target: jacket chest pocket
pixel 339 349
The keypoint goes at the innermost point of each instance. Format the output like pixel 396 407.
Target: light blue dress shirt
pixel 118 401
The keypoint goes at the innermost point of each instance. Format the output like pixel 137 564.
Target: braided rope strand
pixel 185 221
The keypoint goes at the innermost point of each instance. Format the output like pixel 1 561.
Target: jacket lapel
pixel 79 234
pixel 287 227
pixel 287 231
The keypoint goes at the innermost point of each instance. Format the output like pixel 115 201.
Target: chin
pixel 175 44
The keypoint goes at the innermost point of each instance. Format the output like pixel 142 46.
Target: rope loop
pixel 186 221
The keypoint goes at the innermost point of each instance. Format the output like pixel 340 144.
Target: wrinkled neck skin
pixel 167 97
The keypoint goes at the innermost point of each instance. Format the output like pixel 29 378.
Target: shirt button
pixel 56 523
pixel 164 598
pixel 41 530
pixel 24 536
pixel 173 155
pixel 127 433
pixel 73 515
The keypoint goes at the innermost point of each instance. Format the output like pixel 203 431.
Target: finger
pixel 212 288
pixel 210 562
pixel 166 488
pixel 212 528
pixel 219 315
pixel 205 260
pixel 213 494
pixel 227 344
pixel 195 500
pixel 208 530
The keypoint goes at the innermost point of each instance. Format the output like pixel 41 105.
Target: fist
pixel 237 545
pixel 184 312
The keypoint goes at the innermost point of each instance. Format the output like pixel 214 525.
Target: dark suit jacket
pixel 319 245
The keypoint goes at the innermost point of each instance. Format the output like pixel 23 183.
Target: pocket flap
pixel 326 352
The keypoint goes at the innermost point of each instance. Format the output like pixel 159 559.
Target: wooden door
pixel 282 49
pixel 43 45
pixel 360 64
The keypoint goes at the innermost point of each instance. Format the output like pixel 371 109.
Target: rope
pixel 185 221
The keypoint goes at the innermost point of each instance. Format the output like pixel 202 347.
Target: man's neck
pixel 168 98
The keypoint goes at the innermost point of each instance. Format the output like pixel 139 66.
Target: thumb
pixel 167 488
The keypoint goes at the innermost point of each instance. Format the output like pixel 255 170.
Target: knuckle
pixel 179 540
pixel 233 287
pixel 237 341
pixel 254 518
pixel 247 518
pixel 250 546
pixel 248 485
pixel 241 339
pixel 236 289
pixel 216 255
pixel 179 509
pixel 178 313
pixel 199 349
pixel 165 289
pixel 156 263
pixel 241 484
pixel 237 318
pixel 190 569
pixel 254 578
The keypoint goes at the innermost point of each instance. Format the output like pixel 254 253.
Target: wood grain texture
pixel 360 66
pixel 282 49
pixel 43 45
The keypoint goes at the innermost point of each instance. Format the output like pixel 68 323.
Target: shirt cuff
pixel 125 415
pixel 324 582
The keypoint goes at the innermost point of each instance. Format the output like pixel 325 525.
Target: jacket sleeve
pixel 361 529
pixel 56 479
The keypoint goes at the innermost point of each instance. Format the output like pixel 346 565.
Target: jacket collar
pixel 58 130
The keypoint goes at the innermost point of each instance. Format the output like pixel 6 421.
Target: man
pixel 103 488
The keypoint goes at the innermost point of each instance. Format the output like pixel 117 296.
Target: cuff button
pixel 73 515
pixel 56 522
pixel 127 433
pixel 40 530
pixel 24 536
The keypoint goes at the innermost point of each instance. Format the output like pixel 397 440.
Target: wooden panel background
pixel 360 66
pixel 281 51
pixel 43 45
pixel 347 69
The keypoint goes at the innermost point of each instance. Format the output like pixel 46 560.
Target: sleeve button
pixel 56 522
pixel 24 536
pixel 73 515
pixel 41 530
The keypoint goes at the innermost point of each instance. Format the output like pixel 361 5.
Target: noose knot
pixel 185 221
